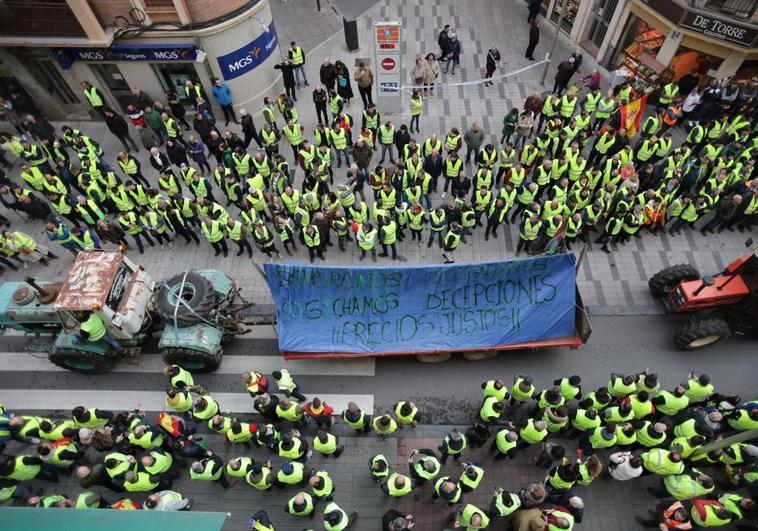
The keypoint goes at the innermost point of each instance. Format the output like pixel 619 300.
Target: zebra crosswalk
pixel 29 382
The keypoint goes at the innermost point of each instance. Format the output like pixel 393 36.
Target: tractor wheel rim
pixel 704 341
pixel 79 364
pixel 187 293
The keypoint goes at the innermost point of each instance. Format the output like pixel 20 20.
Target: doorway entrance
pixel 110 75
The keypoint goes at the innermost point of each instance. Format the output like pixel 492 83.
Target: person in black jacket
pixel 493 60
pixel 534 10
pixel 176 153
pixel 159 161
pixel 402 138
pixel 328 74
pixel 534 39
pixel 319 100
pixel 203 126
pixel 118 126
pixel 288 77
pixel 249 130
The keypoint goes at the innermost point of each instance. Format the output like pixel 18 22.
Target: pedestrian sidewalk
pixel 610 284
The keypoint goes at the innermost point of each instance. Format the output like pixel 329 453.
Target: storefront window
pixel 174 76
pixel 572 6
pixel 687 61
pixel 639 48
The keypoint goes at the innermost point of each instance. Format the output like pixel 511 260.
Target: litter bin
pixel 351 34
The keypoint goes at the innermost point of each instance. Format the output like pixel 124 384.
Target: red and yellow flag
pixel 631 115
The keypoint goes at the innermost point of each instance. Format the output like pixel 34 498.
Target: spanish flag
pixel 631 115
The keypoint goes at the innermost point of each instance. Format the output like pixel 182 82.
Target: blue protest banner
pixel 247 58
pixel 423 308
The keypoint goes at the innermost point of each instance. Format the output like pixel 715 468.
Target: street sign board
pixel 388 51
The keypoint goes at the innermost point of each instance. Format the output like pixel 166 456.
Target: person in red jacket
pixel 321 412
pixel 674 517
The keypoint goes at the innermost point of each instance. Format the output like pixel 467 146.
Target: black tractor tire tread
pixel 102 364
pixel 700 328
pixel 667 279
pixel 201 303
pixel 179 355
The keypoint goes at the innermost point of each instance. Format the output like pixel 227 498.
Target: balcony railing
pixel 21 18
pixel 740 9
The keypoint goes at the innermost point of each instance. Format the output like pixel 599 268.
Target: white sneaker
pixel 420 244
pixel 444 194
pixel 170 245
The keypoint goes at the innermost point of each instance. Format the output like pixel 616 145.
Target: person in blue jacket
pixel 223 95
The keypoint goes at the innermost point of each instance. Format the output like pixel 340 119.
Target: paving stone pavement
pixel 609 504
pixel 610 284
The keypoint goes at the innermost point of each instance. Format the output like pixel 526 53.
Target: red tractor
pixel 718 306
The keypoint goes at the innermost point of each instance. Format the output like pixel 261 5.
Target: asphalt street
pixel 447 393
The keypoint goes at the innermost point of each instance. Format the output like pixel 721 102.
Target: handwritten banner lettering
pixel 422 308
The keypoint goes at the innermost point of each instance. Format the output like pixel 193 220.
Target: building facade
pixel 654 38
pixel 48 48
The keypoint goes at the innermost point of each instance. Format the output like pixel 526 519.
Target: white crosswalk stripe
pixel 22 399
pixel 152 363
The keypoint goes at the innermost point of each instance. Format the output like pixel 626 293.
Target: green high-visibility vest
pixel 529 231
pixel 209 473
pixel 567 106
pixel 214 232
pixel 507 503
pixel 328 447
pixel 531 434
pixel 94 326
pixel 591 101
pixel 472 483
pixel 93 96
pixel 305 511
pixel 21 471
pixel 235 231
pixel 468 513
pixel 372 120
pixel 604 108
pixel 452 170
pixel 389 233
pixel 293 134
pixel 334 104
pixel 386 135
pixel 417 106
pixel 298 57
pixel 339 139
pixel 395 491
pixel 144 483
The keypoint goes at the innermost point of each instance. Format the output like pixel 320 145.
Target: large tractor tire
pixel 434 358
pixel 664 281
pixel 700 333
pixel 197 293
pixel 191 359
pixel 81 361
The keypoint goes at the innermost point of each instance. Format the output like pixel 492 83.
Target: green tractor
pixel 195 312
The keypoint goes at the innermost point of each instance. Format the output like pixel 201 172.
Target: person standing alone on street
pixel 493 61
pixel 364 77
pixel 534 39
